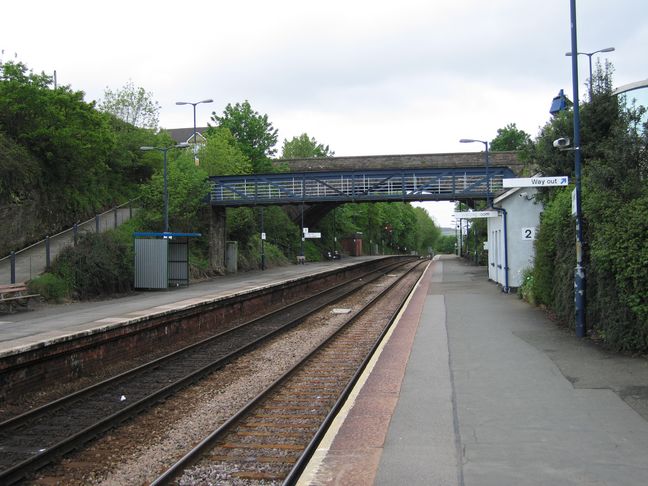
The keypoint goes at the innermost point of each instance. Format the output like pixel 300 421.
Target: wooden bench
pixel 15 294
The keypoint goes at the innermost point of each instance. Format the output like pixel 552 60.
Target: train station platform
pixel 46 324
pixel 474 387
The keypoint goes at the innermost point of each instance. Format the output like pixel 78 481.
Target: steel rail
pixel 194 455
pixel 45 455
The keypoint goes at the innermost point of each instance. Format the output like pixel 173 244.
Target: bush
pixel 98 265
pixel 553 274
pixel 526 289
pixel 51 287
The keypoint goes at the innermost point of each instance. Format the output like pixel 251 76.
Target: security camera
pixel 562 143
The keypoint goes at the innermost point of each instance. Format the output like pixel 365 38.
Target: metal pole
pixel 96 223
pixel 488 201
pixel 166 195
pixel 301 251
pixel 475 243
pixel 579 271
pixel 115 213
pixel 591 90
pixel 194 132
pixel 75 232
pixel 13 267
pixel 334 233
pixel 262 241
pixel 460 237
pixel 47 253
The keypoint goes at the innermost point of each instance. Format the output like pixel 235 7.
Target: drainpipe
pixel 506 265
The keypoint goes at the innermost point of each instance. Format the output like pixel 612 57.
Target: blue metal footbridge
pixel 408 184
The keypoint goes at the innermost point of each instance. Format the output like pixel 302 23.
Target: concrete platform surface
pixel 48 322
pixel 475 387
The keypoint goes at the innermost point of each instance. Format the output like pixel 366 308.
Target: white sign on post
pixel 313 235
pixel 536 181
pixel 475 214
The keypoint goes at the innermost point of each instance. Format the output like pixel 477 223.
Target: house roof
pixel 181 135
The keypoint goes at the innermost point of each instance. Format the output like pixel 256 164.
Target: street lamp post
pixel 195 148
pixel 470 140
pixel 164 150
pixel 589 55
pixel 579 271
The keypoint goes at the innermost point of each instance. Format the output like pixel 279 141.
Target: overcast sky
pixel 364 77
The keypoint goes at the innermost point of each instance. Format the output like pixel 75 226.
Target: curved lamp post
pixel 194 119
pixel 470 140
pixel 164 150
pixel 590 54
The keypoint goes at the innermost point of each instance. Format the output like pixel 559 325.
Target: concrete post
pixel 217 239
pixel 231 256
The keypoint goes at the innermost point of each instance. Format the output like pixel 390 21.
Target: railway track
pixel 271 438
pixel 31 440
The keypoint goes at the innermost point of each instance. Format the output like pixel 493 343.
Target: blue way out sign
pixel 536 181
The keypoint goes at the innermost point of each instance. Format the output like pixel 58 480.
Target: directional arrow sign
pixel 476 214
pixel 536 181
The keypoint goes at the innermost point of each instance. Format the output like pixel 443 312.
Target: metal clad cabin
pixel 162 260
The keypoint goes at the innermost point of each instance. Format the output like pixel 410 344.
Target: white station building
pixel 519 220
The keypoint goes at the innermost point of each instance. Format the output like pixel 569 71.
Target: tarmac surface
pixel 472 387
pixel 475 387
pixel 51 322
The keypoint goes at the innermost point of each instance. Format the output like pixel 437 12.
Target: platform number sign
pixel 528 234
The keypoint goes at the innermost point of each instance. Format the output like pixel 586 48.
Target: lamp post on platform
pixel 164 150
pixel 470 140
pixel 590 54
pixel 195 147
pixel 579 271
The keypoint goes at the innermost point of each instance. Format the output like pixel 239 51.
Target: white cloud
pixel 363 76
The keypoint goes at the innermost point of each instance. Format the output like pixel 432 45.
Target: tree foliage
pixel 187 189
pixel 132 104
pixel 614 147
pixel 510 138
pixel 254 133
pixel 222 155
pixel 304 147
pixel 80 159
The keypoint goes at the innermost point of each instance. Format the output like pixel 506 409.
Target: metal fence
pixel 25 264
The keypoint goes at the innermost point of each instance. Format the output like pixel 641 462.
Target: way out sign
pixel 536 181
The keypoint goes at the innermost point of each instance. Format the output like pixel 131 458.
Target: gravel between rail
pixel 139 449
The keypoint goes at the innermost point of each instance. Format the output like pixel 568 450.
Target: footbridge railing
pixel 358 186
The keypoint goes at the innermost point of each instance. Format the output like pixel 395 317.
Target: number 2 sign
pixel 528 233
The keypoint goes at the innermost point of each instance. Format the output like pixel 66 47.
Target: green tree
pixel 71 140
pixel 304 147
pixel 614 147
pixel 254 132
pixel 510 138
pixel 19 171
pixel 132 104
pixel 187 189
pixel 222 155
pixel 445 244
